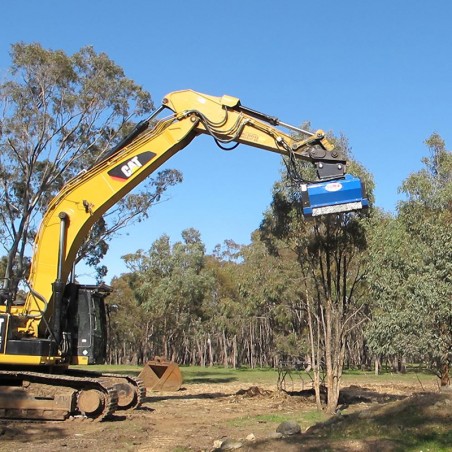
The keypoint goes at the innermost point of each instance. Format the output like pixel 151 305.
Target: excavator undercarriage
pixel 33 395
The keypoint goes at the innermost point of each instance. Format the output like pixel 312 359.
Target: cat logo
pixel 126 169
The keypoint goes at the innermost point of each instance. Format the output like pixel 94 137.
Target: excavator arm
pixel 89 195
pixel 226 120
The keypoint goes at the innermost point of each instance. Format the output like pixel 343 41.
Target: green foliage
pixel 128 325
pixel 393 273
pixel 240 305
pixel 270 290
pixel 171 284
pixel 58 115
pixel 411 268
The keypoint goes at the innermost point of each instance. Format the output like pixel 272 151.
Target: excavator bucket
pixel 161 375
pixel 334 196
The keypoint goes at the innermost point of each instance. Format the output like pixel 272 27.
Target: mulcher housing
pixel 334 196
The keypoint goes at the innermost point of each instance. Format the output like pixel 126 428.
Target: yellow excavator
pixel 62 323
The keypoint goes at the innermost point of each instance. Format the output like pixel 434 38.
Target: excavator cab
pixel 334 196
pixel 88 325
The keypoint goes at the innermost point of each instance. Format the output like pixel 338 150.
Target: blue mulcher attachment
pixel 334 196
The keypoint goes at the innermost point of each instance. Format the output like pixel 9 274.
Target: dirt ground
pixel 199 418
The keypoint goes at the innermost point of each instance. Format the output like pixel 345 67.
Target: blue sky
pixel 378 72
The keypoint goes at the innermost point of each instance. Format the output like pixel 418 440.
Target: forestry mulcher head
pixel 161 375
pixel 334 196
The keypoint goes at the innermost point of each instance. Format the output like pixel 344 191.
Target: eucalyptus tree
pixel 171 284
pixel 270 294
pixel 393 270
pixel 224 310
pixel 411 275
pixel 331 256
pixel 58 115
pixel 128 324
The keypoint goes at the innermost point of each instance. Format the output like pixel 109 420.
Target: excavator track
pixel 137 387
pixel 131 390
pixel 33 395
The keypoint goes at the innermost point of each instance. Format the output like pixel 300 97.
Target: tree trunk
pixel 315 353
pixel 444 375
pixel 234 351
pixel 201 353
pixel 251 347
pixel 225 351
pixel 209 344
pixel 395 364
pixel 402 365
pixel 377 365
pixel 334 381
pixel 165 346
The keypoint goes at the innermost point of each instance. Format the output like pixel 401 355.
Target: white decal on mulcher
pixel 334 186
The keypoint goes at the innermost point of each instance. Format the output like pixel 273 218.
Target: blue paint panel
pixel 342 195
